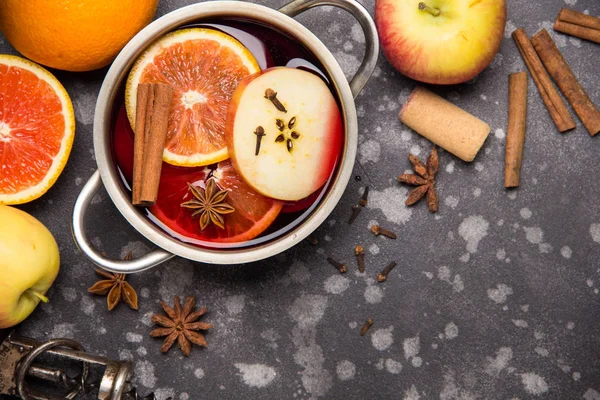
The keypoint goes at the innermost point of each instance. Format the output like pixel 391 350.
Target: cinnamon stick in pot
pixel 152 119
pixel 515 134
pixel 554 103
pixel 566 81
pixel 578 24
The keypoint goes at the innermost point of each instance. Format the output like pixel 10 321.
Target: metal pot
pixel 108 174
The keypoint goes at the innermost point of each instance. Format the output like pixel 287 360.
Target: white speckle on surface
pixel 525 307
pixel 403 96
pixel 102 330
pixel 145 293
pixel 412 394
pixel 451 331
pixel 64 330
pixel 406 135
pixel 175 280
pixel 576 376
pixel 499 133
pixel 465 257
pixel 538 335
pixel 499 294
pixel 345 370
pixel 336 284
pixel 509 28
pixel 369 151
pixel 125 354
pixel 534 234
pixel 68 293
pixel 450 167
pixel 444 274
pixel 451 201
pixel 144 374
pixel 542 351
pixel 374 249
pixel 299 272
pixel 142 352
pixel 545 248
pixel 479 166
pixel 589 282
pixel 164 393
pixel 308 309
pixel 411 347
pixel 393 366
pixel 133 337
pixel 415 150
pixel 356 33
pixel 382 338
pixel 534 384
pixel 235 304
pixel 256 375
pixel 496 365
pixel 566 252
pixel 525 213
pixel 427 274
pixel 391 203
pixel 416 362
pixel 512 194
pixel 87 305
pixel 348 46
pixel 380 364
pixel 199 373
pixel 472 230
pixel 570 325
pixel 483 96
pixel 327 238
pixel 373 294
pixel 85 103
pixel 476 192
pixel 571 2
pixel 595 232
pixel 184 396
pixel 353 325
pixel 520 323
pixel 501 254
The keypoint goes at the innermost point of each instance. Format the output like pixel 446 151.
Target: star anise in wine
pixel 117 288
pixel 180 324
pixel 423 179
pixel 209 203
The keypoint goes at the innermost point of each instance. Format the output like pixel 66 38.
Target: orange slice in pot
pixel 204 67
pixel 37 127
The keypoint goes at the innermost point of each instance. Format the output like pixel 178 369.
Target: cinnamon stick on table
pixel 578 24
pixel 515 134
pixel 152 117
pixel 554 103
pixel 566 81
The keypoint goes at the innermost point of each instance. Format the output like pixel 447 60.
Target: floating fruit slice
pixel 203 66
pixel 253 213
pixel 284 132
pixel 37 126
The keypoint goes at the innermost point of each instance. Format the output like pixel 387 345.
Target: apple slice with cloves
pixel 284 132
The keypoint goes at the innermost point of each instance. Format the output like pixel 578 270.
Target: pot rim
pixel 118 73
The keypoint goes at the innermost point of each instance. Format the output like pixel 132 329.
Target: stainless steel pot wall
pixel 108 174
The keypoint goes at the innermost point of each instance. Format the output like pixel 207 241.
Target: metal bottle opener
pixel 17 360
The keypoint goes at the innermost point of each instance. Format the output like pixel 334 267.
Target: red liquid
pixel 270 48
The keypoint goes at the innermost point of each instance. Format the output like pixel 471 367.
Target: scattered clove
pixel 259 132
pixel 359 251
pixel 355 211
pixel 312 240
pixel 377 230
pixel 340 266
pixel 382 276
pixel 272 96
pixel 366 326
pixel 364 198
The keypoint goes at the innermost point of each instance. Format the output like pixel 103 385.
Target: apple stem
pixel 38 295
pixel 433 11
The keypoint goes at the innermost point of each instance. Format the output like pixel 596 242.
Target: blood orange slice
pixel 204 67
pixel 253 214
pixel 37 126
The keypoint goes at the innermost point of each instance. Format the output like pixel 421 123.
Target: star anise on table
pixel 423 179
pixel 209 203
pixel 117 288
pixel 180 324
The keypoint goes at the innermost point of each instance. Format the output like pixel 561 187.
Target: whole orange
pixel 73 35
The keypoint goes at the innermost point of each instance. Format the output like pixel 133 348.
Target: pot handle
pixel 78 230
pixel 366 22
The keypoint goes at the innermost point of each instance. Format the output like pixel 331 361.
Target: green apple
pixel 440 41
pixel 29 263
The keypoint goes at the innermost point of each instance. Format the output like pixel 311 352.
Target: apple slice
pixel 284 132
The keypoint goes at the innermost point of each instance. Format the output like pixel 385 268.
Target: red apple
pixel 296 119
pixel 440 41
